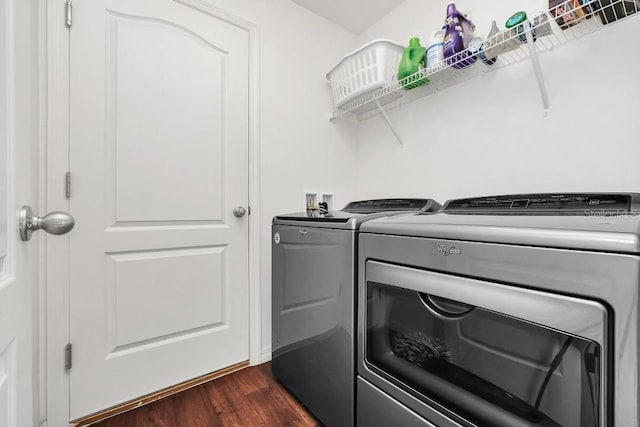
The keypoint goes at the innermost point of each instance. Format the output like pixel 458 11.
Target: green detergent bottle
pixel 413 60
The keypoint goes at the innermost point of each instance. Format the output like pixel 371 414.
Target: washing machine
pixel 313 302
pixel 503 311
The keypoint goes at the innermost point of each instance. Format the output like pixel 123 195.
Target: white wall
pixel 489 135
pixel 300 148
pixel 486 136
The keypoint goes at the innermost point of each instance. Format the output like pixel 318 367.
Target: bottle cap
pixel 516 19
pixel 414 42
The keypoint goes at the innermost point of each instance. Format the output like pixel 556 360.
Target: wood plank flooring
pixel 250 397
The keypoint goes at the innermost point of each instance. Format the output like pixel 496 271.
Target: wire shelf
pixel 549 29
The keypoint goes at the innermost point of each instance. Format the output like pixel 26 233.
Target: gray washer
pixel 313 303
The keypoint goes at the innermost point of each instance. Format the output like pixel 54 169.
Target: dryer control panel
pixel 547 203
pixel 392 205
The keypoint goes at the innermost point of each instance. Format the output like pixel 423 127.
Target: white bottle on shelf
pixel 435 50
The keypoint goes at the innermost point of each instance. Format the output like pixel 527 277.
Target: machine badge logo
pixel 452 250
pixel 276 238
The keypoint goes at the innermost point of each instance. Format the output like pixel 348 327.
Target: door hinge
pixel 67 356
pixel 67 185
pixel 68 13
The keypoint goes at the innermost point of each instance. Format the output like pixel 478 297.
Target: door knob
pixel 239 212
pixel 52 223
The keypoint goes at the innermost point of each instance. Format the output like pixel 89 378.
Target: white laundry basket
pixel 371 67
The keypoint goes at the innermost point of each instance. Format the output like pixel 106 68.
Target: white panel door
pixel 159 160
pixel 18 260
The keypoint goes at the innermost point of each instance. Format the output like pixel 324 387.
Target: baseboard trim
pixel 117 410
pixel 266 354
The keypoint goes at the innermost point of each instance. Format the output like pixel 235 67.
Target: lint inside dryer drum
pixel 489 368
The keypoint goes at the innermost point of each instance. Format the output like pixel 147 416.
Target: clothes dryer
pixel 505 311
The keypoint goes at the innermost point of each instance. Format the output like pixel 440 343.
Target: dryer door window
pixel 479 365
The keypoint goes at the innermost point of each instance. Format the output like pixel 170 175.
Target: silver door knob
pixel 52 223
pixel 239 212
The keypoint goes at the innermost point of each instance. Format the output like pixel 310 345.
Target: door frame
pixel 54 260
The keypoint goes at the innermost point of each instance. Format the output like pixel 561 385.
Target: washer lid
pixel 355 213
pixel 332 219
pixel 574 221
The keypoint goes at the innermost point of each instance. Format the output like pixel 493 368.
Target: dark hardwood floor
pixel 250 397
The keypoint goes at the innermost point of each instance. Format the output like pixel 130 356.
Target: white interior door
pixel 159 160
pixel 18 260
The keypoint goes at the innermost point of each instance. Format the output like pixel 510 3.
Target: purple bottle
pixel 456 38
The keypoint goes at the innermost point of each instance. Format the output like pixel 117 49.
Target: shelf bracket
pixel 536 67
pixel 386 118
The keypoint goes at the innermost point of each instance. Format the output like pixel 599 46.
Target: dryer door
pixel 484 353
